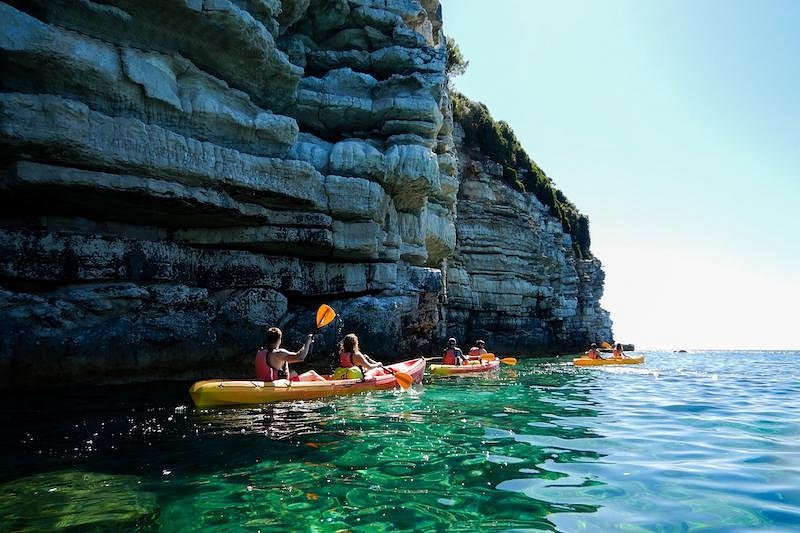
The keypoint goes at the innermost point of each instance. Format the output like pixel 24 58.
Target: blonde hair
pixel 349 343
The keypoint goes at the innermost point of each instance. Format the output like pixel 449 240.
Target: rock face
pixel 175 176
pixel 514 277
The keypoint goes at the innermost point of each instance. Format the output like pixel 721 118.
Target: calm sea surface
pixel 701 441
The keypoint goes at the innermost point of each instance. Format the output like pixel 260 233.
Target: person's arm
pixel 460 355
pixel 299 355
pixel 366 361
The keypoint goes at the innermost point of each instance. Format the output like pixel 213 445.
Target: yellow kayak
pixel 217 392
pixel 585 361
pixel 471 368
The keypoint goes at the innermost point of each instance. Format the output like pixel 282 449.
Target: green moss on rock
pixel 496 140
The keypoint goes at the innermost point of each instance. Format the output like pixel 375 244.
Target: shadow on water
pixel 471 453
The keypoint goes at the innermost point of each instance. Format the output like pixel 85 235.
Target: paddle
pixel 325 315
pixel 505 360
pixel 404 380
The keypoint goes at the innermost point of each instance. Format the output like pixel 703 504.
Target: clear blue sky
pixel 675 126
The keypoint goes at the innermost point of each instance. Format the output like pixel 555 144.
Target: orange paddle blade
pixel 403 379
pixel 325 315
pixel 607 346
pixel 509 360
pixel 488 357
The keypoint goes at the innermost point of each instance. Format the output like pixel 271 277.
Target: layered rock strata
pixel 177 175
pixel 514 277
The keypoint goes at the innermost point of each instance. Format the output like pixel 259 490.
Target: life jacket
pixel 593 354
pixel 346 359
pixel 617 354
pixel 474 352
pixel 449 357
pixel 265 371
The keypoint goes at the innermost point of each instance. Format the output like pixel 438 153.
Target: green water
pixel 697 441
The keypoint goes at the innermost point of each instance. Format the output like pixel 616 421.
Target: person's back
pixel 618 353
pixel 478 350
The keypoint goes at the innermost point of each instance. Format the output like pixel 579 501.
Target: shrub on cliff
pixel 455 64
pixel 496 140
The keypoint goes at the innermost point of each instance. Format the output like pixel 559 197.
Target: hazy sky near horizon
pixel 675 126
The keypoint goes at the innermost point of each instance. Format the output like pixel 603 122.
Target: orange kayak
pixel 471 368
pixel 585 361
pixel 217 392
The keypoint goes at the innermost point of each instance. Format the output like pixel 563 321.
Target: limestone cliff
pixel 176 175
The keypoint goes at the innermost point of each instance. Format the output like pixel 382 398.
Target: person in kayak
pixel 618 353
pixel 352 363
pixel 478 350
pixel 272 361
pixel 452 355
pixel 593 352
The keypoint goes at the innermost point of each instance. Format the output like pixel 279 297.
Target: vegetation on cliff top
pixel 496 140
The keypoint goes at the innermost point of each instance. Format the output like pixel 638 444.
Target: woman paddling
pixel 618 353
pixel 352 363
pixel 272 361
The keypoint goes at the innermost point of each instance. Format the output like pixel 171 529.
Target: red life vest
pixel 474 352
pixel 593 354
pixel 449 357
pixel 265 371
pixel 346 359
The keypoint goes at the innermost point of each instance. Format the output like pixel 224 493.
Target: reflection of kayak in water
pixel 471 368
pixel 585 361
pixel 218 392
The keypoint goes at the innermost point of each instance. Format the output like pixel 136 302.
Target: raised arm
pixel 299 355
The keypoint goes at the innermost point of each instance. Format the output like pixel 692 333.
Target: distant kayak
pixel 217 392
pixel 585 361
pixel 471 368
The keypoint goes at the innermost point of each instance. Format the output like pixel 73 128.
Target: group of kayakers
pixel 594 353
pixel 272 362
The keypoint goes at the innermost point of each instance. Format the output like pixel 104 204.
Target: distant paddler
pixel 478 350
pixel 452 355
pixel 593 352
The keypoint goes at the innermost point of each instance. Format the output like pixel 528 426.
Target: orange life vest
pixel 449 357
pixel 593 354
pixel 474 352
pixel 617 354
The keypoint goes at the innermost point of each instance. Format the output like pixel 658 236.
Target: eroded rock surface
pixel 177 175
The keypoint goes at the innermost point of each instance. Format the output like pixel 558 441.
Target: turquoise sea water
pixel 701 441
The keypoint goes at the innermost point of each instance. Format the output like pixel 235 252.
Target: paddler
pixel 272 361
pixel 593 352
pixel 452 355
pixel 352 363
pixel 478 350
pixel 618 353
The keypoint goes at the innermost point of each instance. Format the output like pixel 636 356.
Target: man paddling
pixel 593 352
pixel 452 355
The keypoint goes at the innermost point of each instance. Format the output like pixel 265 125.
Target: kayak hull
pixel 460 370
pixel 217 392
pixel 585 361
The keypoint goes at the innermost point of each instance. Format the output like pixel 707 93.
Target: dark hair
pixel 479 342
pixel 273 336
pixel 619 346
